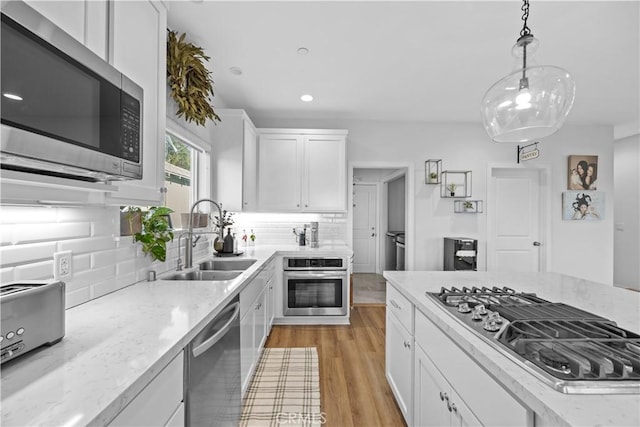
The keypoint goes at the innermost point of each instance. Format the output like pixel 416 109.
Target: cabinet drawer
pixel 400 307
pixel 249 294
pixel 481 393
pixel 158 401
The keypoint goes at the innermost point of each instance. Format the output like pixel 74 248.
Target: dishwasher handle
pixel 210 342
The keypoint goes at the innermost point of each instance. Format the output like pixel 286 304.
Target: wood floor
pixel 353 387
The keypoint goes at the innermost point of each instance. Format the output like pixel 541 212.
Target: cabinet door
pixel 430 392
pixel 234 161
pixel 279 172
pixel 324 180
pixel 271 304
pixel 249 169
pixel 138 49
pixel 68 15
pixel 399 365
pixel 461 415
pixel 157 403
pixel 260 325
pixel 247 350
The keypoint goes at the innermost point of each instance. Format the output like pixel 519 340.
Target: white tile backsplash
pixel 102 261
pixel 273 229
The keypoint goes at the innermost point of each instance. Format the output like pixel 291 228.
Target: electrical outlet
pixel 62 265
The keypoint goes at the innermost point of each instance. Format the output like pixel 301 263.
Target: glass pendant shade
pixel 530 103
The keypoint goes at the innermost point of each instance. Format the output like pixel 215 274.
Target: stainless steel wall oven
pixel 315 286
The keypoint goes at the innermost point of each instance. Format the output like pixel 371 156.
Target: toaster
pixel 32 316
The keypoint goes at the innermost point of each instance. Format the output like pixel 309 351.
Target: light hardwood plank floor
pixel 369 288
pixel 353 388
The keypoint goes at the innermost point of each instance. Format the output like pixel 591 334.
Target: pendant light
pixel 533 101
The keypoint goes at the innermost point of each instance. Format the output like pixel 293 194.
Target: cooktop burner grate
pixel 571 349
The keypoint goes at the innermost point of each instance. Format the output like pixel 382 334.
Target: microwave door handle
pixel 210 342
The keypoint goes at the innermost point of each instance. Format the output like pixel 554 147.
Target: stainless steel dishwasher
pixel 212 372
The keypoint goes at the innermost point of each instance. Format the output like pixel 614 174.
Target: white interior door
pixel 365 235
pixel 514 243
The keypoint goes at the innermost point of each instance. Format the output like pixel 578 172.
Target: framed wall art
pixel 582 173
pixel 583 205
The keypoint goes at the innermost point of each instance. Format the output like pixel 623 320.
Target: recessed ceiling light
pixel 236 71
pixel 306 98
pixel 303 51
pixel 12 96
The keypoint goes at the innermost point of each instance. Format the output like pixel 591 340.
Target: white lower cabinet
pixel 158 404
pixel 436 403
pixel 254 322
pixel 442 366
pixel 399 351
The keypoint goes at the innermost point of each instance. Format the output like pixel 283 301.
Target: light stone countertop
pixel 115 345
pixel 620 305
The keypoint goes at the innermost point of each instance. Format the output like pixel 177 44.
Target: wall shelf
pixel 458 181
pixel 468 206
pixel 432 168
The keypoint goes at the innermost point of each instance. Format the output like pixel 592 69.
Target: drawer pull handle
pixel 395 304
pixel 443 397
pixel 453 406
pixel 406 344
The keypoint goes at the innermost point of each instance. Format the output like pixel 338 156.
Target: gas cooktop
pixel 570 349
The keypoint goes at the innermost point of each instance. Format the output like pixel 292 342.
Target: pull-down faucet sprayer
pixel 188 250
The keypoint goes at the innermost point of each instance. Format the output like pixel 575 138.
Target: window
pixel 185 168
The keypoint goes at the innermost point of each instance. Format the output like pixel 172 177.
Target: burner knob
pixel 463 307
pixel 491 326
pixel 495 317
pixel 481 310
pixel 475 316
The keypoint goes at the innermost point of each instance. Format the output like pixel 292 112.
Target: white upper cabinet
pixel 84 20
pixel 302 170
pixel 234 177
pixel 137 47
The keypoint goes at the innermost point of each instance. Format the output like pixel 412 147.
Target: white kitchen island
pixel 543 405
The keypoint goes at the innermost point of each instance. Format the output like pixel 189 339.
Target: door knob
pixel 536 243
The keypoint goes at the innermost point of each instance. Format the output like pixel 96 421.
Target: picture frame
pixel 582 173
pixel 583 205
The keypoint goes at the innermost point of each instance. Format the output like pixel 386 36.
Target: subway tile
pixel 26 253
pixel 26 233
pixel 104 258
pixel 87 245
pixel 33 271
pixel 7 275
pixel 125 267
pixel 98 289
pixel 127 280
pixel 81 262
pixel 27 214
pixel 94 275
pixel 76 297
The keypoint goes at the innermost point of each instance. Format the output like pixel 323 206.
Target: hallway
pixel 369 288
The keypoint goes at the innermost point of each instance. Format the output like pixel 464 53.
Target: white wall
pixel 627 207
pixel 581 249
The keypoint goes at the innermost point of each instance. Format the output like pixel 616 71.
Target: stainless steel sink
pixel 205 275
pixel 227 264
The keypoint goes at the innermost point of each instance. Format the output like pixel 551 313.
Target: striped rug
pixel 285 390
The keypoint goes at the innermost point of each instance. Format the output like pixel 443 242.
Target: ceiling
pixel 422 61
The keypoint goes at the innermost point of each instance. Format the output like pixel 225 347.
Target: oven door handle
pixel 316 275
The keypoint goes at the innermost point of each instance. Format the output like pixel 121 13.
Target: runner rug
pixel 285 390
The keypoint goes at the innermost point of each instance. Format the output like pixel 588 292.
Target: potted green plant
pixel 468 206
pixel 452 189
pixel 155 232
pixel 130 220
pixel 433 177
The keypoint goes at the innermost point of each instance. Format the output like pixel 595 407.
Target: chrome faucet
pixel 193 242
pixel 188 250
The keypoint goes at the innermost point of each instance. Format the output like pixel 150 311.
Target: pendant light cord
pixel 525 32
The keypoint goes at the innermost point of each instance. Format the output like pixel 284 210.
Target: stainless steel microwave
pixel 65 111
